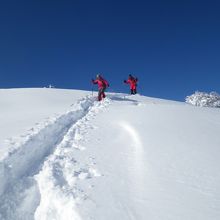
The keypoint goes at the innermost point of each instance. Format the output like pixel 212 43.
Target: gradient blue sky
pixel 172 46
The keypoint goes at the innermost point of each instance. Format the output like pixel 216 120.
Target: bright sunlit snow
pixel 63 155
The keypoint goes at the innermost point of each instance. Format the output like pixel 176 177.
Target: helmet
pixel 98 76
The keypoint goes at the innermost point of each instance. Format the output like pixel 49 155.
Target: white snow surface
pixel 63 155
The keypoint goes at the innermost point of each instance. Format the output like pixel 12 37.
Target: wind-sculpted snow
pixel 136 145
pixel 138 152
pixel 21 188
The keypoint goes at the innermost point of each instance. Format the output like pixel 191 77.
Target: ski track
pixel 45 164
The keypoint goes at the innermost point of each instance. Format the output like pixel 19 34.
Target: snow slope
pixel 128 157
pixel 22 109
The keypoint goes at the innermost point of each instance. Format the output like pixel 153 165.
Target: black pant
pixel 133 91
pixel 101 94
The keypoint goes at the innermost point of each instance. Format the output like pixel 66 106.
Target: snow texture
pixel 203 99
pixel 127 157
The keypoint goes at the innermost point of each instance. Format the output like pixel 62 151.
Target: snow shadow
pixel 125 99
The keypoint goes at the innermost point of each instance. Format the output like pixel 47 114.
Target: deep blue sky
pixel 172 46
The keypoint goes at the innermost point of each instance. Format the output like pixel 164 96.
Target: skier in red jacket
pixel 102 85
pixel 132 81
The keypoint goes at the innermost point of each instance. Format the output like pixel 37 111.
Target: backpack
pixel 104 83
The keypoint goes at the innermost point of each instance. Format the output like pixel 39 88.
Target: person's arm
pixel 94 81
pixel 129 81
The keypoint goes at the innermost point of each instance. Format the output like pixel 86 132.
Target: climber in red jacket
pixel 132 81
pixel 102 85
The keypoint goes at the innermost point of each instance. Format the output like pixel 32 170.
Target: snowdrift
pixel 66 156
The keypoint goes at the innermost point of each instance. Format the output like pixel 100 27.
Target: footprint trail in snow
pixel 45 162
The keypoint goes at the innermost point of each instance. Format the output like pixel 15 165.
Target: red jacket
pixel 102 83
pixel 132 82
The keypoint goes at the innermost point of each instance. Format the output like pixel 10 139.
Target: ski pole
pixel 92 90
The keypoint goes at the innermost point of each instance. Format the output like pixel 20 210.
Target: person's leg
pixel 103 93
pixel 131 91
pixel 100 95
pixel 135 91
